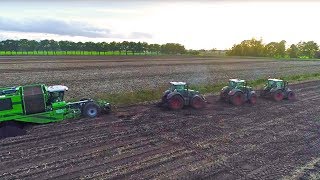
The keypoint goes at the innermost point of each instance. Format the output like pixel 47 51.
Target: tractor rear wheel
pixel 11 129
pixel 197 102
pixel 237 99
pixel 291 95
pixel 278 95
pixel 91 110
pixel 175 102
pixel 253 99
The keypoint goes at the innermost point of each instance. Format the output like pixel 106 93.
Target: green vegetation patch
pixel 134 97
pixel 149 95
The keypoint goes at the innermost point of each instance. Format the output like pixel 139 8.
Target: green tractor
pixel 41 104
pixel 179 95
pixel 238 92
pixel 278 90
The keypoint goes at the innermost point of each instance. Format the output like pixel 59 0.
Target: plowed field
pixel 270 140
pixel 89 75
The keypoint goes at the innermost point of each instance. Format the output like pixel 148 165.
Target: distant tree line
pixel 256 48
pixel 53 47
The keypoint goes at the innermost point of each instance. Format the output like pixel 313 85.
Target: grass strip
pixel 147 95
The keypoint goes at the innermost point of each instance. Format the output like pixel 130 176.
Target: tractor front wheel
pixel 176 102
pixel 224 94
pixel 91 110
pixel 278 96
pixel 197 102
pixel 253 99
pixel 291 95
pixel 237 99
pixel 164 99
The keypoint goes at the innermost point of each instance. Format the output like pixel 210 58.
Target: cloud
pixel 52 26
pixel 139 35
pixel 63 28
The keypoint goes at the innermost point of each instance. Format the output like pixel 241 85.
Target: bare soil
pixel 87 76
pixel 269 140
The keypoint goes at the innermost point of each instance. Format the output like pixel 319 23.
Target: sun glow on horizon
pixel 197 25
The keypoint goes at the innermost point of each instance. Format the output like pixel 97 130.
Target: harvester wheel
pixel 197 102
pixel 278 95
pixel 11 129
pixel 175 102
pixel 91 110
pixel 253 99
pixel 237 99
pixel 291 95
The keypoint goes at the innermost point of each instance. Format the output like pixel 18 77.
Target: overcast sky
pixel 200 24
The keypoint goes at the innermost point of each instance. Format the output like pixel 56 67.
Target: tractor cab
pixel 276 83
pixel 56 93
pixel 238 92
pixel 278 90
pixel 178 86
pixel 237 83
pixel 179 95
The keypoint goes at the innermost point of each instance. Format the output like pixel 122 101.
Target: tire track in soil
pixel 163 131
pixel 116 163
pixel 56 130
pixel 75 158
pixel 68 146
pixel 81 135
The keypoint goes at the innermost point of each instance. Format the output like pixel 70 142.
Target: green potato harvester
pixel 42 104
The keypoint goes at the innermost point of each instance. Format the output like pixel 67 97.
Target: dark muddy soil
pixel 270 140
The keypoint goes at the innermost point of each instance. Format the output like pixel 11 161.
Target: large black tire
pixel 11 129
pixel 176 102
pixel 107 110
pixel 291 95
pixel 91 110
pixel 198 102
pixel 253 99
pixel 237 99
pixel 278 95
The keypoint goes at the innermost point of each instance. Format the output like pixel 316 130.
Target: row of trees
pixel 256 48
pixel 46 46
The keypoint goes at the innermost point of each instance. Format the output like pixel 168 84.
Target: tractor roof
pixel 57 88
pixel 237 80
pixel 178 83
pixel 277 80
